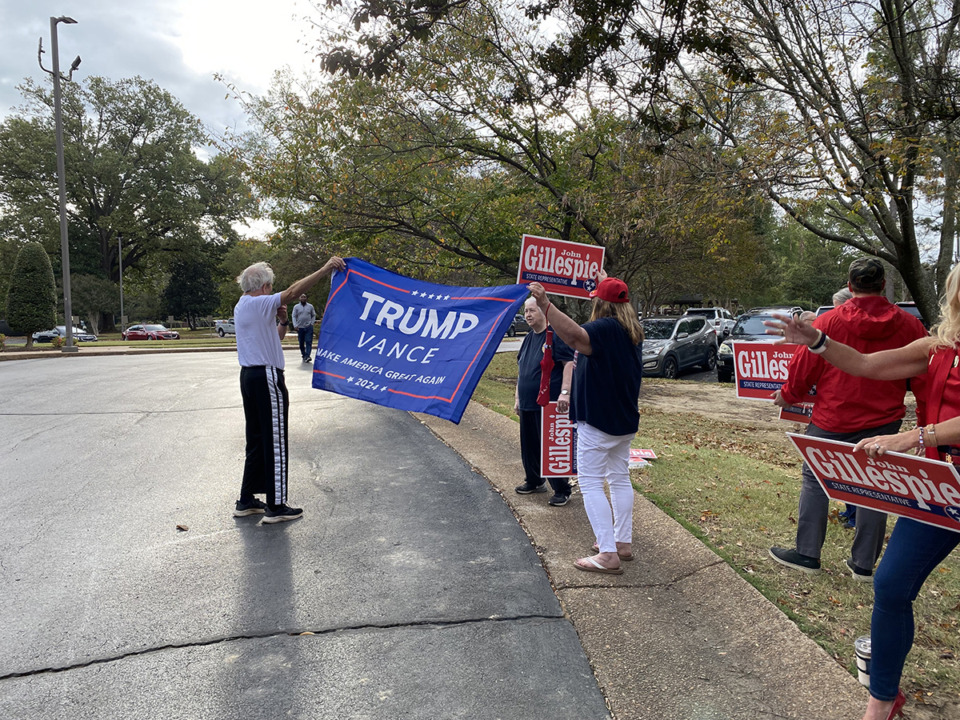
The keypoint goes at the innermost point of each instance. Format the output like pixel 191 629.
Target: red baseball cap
pixel 612 290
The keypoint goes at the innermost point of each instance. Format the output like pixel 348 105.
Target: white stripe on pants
pixel 606 457
pixel 279 438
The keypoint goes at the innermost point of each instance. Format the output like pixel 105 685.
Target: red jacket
pixel 845 403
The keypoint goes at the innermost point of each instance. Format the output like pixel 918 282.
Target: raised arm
pixel 897 364
pixel 566 327
pixel 303 284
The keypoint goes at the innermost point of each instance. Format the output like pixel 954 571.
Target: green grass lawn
pixel 739 496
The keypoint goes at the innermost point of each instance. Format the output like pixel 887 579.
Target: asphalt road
pixel 407 591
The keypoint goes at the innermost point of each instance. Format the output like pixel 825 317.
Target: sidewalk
pixel 678 636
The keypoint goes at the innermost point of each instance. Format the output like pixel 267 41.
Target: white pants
pixel 606 457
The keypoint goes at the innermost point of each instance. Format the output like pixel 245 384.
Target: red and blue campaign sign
pixel 761 368
pixel 801 413
pixel 563 268
pixel 408 344
pixel 907 485
pixel 558 443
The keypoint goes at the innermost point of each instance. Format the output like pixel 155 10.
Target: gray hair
pixel 841 296
pixel 255 277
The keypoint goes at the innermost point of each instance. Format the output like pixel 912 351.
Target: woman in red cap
pixel 606 386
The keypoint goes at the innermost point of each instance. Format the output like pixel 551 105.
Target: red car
pixel 149 332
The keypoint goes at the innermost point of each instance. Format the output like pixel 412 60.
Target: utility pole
pixel 58 118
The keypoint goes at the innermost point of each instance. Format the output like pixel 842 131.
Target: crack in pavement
pixel 289 633
pixel 622 586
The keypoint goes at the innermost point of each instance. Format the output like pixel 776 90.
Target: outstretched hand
pixel 792 329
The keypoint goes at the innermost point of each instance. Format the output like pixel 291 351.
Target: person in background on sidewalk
pixel 260 317
pixel 530 382
pixel 847 409
pixel 915 549
pixel 606 389
pixel 304 316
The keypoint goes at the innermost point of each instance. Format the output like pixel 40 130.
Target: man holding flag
pixel 545 373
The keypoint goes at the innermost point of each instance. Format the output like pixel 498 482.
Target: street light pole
pixel 58 118
pixel 120 260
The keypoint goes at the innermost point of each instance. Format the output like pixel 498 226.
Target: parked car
pixel 519 325
pixel 911 307
pixel 672 344
pixel 61 331
pixel 749 328
pixel 226 327
pixel 149 332
pixel 720 320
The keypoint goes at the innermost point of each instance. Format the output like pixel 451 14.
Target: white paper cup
pixel 862 648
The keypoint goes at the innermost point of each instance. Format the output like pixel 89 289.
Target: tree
pixel 191 292
pixel 93 297
pixel 133 178
pixel 442 166
pixel 32 297
pixel 852 104
pixel 386 30
pixel 846 120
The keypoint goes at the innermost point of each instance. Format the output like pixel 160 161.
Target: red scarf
pixel 546 369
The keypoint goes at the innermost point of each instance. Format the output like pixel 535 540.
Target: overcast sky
pixel 179 44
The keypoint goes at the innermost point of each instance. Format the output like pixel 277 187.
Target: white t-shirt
pixel 255 320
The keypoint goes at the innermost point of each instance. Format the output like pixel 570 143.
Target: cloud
pixel 179 44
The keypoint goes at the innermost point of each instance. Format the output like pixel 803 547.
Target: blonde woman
pixel 914 549
pixel 606 385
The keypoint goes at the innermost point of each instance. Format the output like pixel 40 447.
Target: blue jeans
pixel 914 550
pixel 305 336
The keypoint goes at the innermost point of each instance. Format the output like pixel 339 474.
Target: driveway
pixel 407 591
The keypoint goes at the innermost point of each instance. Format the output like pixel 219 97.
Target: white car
pixel 61 331
pixel 226 327
pixel 719 319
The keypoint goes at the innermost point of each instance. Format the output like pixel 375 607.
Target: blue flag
pixel 408 344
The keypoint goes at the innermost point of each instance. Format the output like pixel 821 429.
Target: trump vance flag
pixel 408 344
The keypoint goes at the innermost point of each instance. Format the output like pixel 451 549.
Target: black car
pixel 911 307
pixel 519 325
pixel 749 328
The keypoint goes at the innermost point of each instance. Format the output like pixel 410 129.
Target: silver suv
pixel 672 344
pixel 720 320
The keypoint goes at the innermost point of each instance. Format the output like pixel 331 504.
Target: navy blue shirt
pixel 528 370
pixel 606 383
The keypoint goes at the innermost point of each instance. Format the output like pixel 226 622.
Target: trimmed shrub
pixel 32 297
